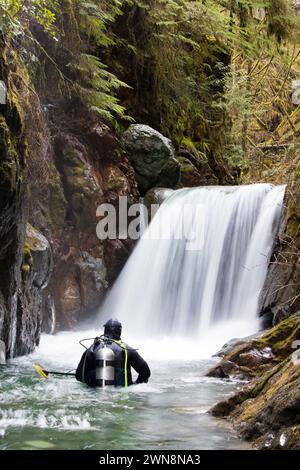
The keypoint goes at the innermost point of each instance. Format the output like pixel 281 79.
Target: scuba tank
pixel 103 363
pixel 105 366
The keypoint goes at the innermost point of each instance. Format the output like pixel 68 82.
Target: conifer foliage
pixel 184 66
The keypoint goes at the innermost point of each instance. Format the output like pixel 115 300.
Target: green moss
pixel 26 268
pixel 27 253
pixel 16 115
pixel 293 209
pixel 115 184
pixel 185 165
pixel 75 178
pixel 261 384
pixel 72 156
pixel 31 242
pixel 114 181
pixel 4 134
pixel 189 144
pixel 78 171
pixel 9 171
pixel 75 183
pixel 281 336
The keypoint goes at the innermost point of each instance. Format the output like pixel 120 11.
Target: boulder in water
pixel 223 370
pixel 152 157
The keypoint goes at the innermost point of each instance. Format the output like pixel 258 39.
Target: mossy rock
pixel 288 439
pixel 77 203
pixel 114 180
pixel 9 170
pixel 34 241
pixel 74 179
pixel 73 156
pixel 293 209
pixel 268 405
pixel 57 207
pixel 114 184
pixel 37 257
pixel 4 135
pixel 26 268
pixel 281 336
pixel 185 165
pixel 277 341
pixel 273 402
pixel 191 146
pixel 189 174
pixel 16 114
pixel 152 157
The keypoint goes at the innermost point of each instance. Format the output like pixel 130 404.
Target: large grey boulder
pixel 152 157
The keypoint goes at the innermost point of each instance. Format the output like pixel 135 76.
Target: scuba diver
pixel 108 361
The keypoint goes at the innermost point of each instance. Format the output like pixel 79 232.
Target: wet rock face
pixel 189 175
pixel 92 172
pixel 37 257
pixel 152 157
pixel 225 370
pixel 11 233
pixel 26 261
pixel 279 297
pixel 275 408
pixel 19 327
pixel 116 253
pixel 266 411
pixel 36 271
pixel 194 171
pixel 80 184
pixel 92 276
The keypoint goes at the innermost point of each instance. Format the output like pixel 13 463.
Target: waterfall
pixel 212 274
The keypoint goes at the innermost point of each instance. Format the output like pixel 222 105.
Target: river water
pixel 170 412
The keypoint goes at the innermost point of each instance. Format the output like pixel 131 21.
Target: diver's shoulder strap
pixel 124 346
pixel 121 343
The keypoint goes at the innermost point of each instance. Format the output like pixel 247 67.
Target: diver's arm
pixel 80 371
pixel 140 366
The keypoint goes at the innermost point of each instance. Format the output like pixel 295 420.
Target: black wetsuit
pixel 86 370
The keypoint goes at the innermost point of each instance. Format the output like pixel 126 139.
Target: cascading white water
pixel 213 274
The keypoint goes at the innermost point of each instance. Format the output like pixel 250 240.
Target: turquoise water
pixel 59 413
